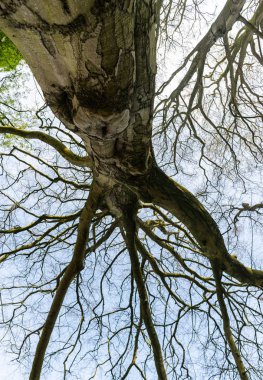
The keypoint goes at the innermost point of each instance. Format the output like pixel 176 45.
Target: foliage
pixel 9 54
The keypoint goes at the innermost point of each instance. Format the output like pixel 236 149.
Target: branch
pixel 164 244
pixel 66 153
pixel 251 26
pixel 226 323
pixel 158 188
pixel 245 208
pixel 130 229
pixel 150 258
pixel 74 267
pixel 224 23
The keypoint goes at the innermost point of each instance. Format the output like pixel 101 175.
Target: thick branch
pixel 226 323
pixel 130 229
pixel 224 23
pixel 125 208
pixel 74 267
pixel 56 144
pixel 163 191
pixel 251 26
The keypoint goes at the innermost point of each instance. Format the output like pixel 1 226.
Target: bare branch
pixel 74 267
pixel 226 322
pixel 56 144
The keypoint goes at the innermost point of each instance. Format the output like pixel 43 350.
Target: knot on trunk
pixel 122 202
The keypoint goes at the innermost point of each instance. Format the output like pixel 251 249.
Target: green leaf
pixel 9 54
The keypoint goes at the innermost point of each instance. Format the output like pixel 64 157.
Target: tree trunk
pixel 96 66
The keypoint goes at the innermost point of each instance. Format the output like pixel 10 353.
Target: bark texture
pixel 95 62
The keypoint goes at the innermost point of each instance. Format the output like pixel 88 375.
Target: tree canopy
pixel 131 197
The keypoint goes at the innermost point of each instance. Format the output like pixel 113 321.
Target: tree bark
pixel 96 67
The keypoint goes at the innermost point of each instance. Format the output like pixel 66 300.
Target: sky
pixel 8 370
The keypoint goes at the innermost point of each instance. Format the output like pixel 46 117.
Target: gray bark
pixel 95 62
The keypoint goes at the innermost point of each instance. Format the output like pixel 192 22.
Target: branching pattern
pixel 109 267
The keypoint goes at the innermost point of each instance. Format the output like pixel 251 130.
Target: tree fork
pixel 156 187
pixel 124 205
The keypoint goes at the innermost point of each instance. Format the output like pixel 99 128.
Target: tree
pixel 108 219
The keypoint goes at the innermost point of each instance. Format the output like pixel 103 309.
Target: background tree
pixel 106 261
